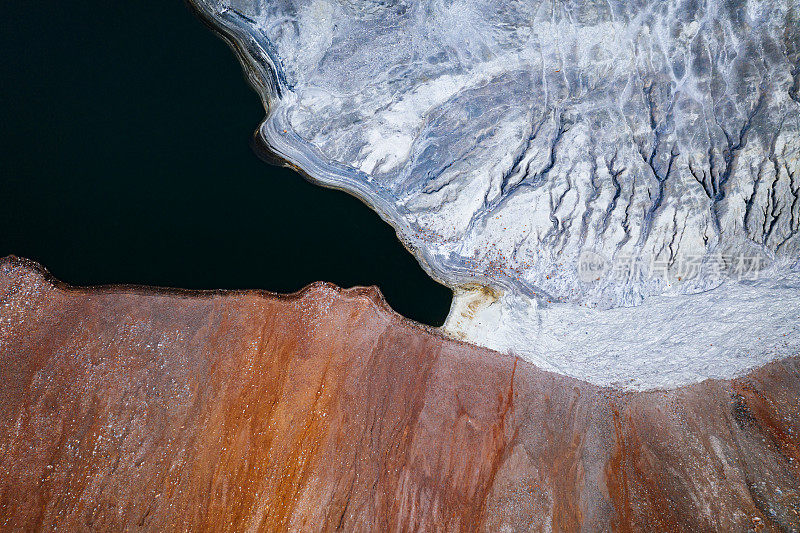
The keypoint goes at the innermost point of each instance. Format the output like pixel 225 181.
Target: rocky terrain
pixel 543 157
pixel 134 408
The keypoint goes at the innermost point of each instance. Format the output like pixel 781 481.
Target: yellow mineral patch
pixel 468 302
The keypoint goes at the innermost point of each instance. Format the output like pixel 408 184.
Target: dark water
pixel 125 158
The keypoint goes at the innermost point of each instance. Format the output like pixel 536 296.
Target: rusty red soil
pixel 134 408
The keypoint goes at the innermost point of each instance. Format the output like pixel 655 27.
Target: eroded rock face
pixel 145 409
pixel 561 155
pixel 504 139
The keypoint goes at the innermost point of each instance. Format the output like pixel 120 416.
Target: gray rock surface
pixel 594 153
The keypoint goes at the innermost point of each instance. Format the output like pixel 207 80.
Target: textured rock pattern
pixel 558 155
pixel 143 409
pixel 505 139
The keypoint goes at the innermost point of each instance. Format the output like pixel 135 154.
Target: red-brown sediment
pixel 138 408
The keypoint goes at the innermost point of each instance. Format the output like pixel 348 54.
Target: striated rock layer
pixel 505 140
pixel 143 409
pixel 551 160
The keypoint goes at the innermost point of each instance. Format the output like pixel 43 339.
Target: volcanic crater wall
pixel 134 408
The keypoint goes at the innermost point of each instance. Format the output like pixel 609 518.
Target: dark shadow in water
pixel 126 159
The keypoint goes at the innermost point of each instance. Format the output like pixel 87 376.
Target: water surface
pixel 125 158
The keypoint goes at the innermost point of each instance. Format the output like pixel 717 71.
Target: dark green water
pixel 125 158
